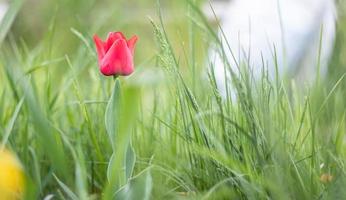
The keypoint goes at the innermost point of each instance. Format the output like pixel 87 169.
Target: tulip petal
pixel 112 37
pixel 131 43
pixel 118 60
pixel 99 47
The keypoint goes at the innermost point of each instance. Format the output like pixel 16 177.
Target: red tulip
pixel 115 55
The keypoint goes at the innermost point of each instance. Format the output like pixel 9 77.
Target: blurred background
pixel 37 17
pixel 95 16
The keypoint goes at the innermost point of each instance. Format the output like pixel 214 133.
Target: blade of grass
pixel 9 18
pixel 10 125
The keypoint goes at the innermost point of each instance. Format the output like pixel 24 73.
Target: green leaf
pixel 11 123
pixel 130 161
pixel 110 167
pixel 121 117
pixel 66 189
pixel 112 113
pixel 138 188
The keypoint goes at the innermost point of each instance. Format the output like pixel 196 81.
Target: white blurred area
pixel 256 30
pixel 3 9
pixel 217 6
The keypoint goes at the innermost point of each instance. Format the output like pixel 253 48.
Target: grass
pixel 169 135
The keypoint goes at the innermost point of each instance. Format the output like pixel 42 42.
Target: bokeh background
pixel 47 34
pixel 37 17
pixel 101 17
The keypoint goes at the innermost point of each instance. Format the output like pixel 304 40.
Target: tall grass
pixel 71 127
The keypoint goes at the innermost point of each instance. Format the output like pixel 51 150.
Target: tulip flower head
pixel 115 55
pixel 11 176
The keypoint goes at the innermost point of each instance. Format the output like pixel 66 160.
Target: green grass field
pixel 70 126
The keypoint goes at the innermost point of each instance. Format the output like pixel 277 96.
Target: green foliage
pixel 9 18
pixel 139 188
pixel 169 135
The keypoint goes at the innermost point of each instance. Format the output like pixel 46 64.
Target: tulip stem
pixel 115 77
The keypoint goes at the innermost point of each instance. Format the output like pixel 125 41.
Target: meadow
pixel 165 132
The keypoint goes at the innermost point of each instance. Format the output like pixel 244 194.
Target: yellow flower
pixel 11 176
pixel 326 178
